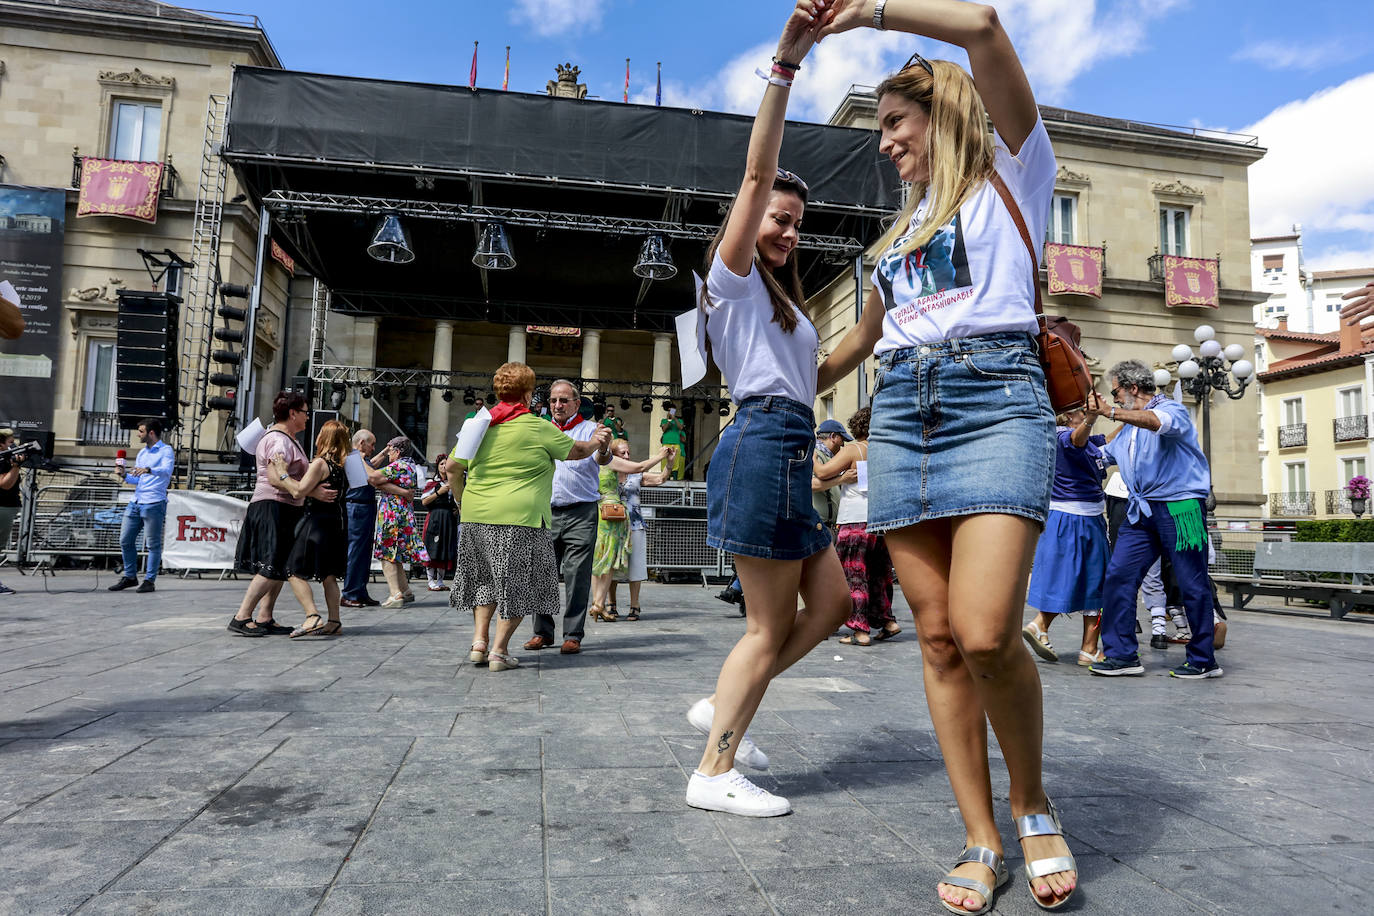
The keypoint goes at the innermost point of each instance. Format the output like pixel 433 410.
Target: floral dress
pixel 612 554
pixel 396 538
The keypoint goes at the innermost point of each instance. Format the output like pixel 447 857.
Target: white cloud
pixel 557 17
pixel 1339 258
pixel 1285 55
pixel 1318 170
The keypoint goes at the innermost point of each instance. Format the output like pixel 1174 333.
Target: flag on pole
pixel 627 80
pixel 658 93
pixel 505 80
pixel 472 74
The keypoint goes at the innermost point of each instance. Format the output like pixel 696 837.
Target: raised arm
pixel 856 346
pixel 844 460
pixel 626 466
pixel 761 164
pixel 996 69
pixel 599 442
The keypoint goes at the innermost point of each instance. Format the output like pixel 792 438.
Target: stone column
pixel 662 373
pixel 515 349
pixel 438 407
pixel 591 359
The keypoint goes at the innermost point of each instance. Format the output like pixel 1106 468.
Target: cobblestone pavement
pixel 150 762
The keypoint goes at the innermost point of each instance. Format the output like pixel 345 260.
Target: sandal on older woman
pixel 990 860
pixel 478 653
pixel 1039 641
pixel 320 627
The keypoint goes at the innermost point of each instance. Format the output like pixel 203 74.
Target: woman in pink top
pixel 269 527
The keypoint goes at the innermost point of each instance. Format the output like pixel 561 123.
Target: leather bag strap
pixel 1005 193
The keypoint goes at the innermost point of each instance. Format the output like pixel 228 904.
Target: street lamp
pixel 1213 367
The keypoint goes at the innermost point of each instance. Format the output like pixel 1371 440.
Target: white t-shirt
pixel 974 276
pixel 755 355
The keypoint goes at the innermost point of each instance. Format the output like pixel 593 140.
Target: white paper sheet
pixel 470 436
pixel 691 341
pixel 421 478
pixel 354 470
pixel 251 434
pixel 8 291
pixel 861 467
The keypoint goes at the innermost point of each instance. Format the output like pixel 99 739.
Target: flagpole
pixel 658 91
pixel 627 80
pixel 505 81
pixel 472 74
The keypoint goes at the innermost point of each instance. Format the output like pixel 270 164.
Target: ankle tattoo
pixel 723 744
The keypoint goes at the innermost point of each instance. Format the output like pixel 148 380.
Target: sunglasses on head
pixel 916 59
pixel 793 178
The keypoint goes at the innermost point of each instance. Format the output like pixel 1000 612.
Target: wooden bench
pixel 1340 574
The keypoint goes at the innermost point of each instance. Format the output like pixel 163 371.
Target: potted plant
pixel 1358 488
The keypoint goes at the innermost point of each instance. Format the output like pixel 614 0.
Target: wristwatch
pixel 284 477
pixel 878 15
pixel 1112 415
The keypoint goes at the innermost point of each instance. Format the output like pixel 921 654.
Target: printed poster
pixel 32 230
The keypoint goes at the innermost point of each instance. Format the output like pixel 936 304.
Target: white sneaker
pixel 732 793
pixel 748 753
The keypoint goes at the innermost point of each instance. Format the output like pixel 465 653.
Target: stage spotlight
pixel 654 261
pixel 646 405
pixel 493 248
pixel 337 396
pixel 598 410
pixel 367 392
pixel 668 404
pixel 491 399
pixel 390 244
pixel 624 403
pixel 469 396
pixel 724 408
pixel 447 396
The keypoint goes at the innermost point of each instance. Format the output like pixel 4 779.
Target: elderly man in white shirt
pixel 575 499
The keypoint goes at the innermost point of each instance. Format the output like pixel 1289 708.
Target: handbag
pixel 1067 376
pixel 613 512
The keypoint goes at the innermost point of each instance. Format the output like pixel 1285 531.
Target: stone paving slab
pixel 150 762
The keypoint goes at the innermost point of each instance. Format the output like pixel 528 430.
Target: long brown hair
pixel 782 293
pixel 959 146
pixel 332 442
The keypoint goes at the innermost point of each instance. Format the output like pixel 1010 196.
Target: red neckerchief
pixel 576 419
pixel 507 410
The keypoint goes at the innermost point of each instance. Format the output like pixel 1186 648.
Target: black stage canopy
pixel 579 184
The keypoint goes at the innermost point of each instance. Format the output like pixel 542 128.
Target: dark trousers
pixel 1138 545
pixel 574 540
pixel 362 517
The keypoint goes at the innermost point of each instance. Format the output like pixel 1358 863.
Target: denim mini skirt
pixel 759 484
pixel 960 427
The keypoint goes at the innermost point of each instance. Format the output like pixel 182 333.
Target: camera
pixel 19 449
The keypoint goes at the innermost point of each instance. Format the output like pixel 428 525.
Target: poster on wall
pixel 32 226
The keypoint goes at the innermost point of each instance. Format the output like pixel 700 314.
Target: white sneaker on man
pixel 748 753
pixel 732 793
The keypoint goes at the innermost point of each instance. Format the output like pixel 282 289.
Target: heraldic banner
pixel 1074 269
pixel 111 187
pixel 1191 281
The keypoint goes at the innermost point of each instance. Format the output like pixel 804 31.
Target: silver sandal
pixel 1029 825
pixel 983 856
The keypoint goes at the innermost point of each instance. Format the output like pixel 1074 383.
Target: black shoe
pixel 123 583
pixel 1116 667
pixel 368 601
pixel 729 596
pixel 241 628
pixel 272 628
pixel 146 587
pixel 1159 641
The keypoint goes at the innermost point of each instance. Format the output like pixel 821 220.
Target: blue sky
pixel 1299 76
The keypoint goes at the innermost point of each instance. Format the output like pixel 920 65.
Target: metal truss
pixel 285 204
pixel 383 378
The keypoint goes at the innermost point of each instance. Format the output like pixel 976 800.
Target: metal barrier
pixel 1234 542
pixel 675 515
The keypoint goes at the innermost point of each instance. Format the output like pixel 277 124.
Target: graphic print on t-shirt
pixel 935 276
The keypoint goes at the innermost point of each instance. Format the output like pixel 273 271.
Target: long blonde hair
pixel 959 146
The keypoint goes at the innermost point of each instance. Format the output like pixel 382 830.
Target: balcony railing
pixel 1350 429
pixel 1294 436
pixel 1156 263
pixel 98 428
pixel 1301 504
pixel 1338 502
pixel 170 176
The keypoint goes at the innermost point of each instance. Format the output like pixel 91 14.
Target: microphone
pixel 119 459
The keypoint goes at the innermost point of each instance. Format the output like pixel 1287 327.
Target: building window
pixel 1295 477
pixel 1352 467
pixel 100 377
pixel 135 128
pixel 1293 412
pixel 1350 401
pixel 1063 219
pixel 1273 263
pixel 1173 230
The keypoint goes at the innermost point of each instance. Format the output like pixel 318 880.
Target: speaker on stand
pixel 146 359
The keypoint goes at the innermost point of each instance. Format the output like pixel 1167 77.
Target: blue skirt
pixel 1070 564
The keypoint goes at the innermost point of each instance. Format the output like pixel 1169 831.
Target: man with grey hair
pixel 1168 479
pixel 361 506
pixel 576 493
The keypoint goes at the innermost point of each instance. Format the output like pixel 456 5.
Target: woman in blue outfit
pixel 759 482
pixel 1071 557
pixel 962 438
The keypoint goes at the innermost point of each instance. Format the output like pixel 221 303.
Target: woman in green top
pixel 674 433
pixel 506 564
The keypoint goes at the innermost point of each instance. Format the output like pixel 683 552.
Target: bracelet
pixel 1112 415
pixel 284 477
pixel 779 70
pixel 878 15
pixel 773 80
pixel 786 64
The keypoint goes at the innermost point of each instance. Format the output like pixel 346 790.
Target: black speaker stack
pixel 146 366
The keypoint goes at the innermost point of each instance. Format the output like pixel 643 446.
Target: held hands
pixel 801 31
pixel 1095 407
pixel 324 493
pixel 843 16
pixel 602 438
pixel 1361 305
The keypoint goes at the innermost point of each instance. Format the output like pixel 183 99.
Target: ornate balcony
pixel 99 428
pixel 1350 429
pixel 1300 504
pixel 1338 502
pixel 1294 436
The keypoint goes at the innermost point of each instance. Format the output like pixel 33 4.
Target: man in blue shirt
pixel 1168 480
pixel 147 511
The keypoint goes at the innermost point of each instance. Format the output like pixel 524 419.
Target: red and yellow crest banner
pixel 553 331
pixel 1191 281
pixel 1074 269
pixel 282 258
pixel 112 187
